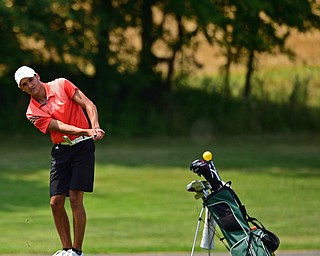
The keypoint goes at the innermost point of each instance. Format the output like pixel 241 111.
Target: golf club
pixel 71 143
pixel 205 167
pixel 207 156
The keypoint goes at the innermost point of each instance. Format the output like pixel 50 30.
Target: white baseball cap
pixel 23 72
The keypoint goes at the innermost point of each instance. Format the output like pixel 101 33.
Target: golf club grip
pixel 214 170
pixel 211 178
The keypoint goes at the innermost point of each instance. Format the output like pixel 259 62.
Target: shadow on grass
pixel 16 193
pixel 24 173
pixel 278 157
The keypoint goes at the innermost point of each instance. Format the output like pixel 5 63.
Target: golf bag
pixel 245 235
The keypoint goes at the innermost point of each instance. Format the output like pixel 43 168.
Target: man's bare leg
pixel 61 219
pixel 79 217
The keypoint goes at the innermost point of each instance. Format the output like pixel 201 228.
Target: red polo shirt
pixel 59 106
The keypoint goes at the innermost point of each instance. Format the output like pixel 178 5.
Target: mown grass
pixel 140 201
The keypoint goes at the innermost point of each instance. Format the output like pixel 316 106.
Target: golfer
pixel 61 109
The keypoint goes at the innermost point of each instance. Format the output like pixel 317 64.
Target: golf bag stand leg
pixel 197 232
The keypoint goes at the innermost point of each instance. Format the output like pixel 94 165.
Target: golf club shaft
pixel 214 170
pixel 70 142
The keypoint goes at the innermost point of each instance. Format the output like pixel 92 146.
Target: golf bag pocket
pixel 270 240
pixel 251 245
pixel 240 248
pixel 226 217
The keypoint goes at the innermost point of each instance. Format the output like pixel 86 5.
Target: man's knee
pixel 57 202
pixel 76 198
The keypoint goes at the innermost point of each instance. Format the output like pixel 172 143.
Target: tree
pixel 132 50
pixel 252 26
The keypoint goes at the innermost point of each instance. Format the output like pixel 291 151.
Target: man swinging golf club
pixel 57 108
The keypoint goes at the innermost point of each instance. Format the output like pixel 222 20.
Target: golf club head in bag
pixel 202 168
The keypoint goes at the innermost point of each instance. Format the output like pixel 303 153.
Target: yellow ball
pixel 207 156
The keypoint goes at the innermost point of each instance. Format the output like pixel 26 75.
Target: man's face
pixel 30 85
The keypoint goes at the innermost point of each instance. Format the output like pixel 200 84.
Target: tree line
pixel 128 55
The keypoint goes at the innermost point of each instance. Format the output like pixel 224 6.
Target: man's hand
pixel 98 134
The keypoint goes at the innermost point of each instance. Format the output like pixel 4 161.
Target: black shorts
pixel 72 168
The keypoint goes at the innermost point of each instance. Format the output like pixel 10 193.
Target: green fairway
pixel 140 202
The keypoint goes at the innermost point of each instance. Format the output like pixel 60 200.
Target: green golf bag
pixel 231 217
pixel 246 236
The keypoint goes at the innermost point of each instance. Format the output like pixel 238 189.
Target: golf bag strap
pixel 249 244
pixel 255 222
pixel 237 199
pixel 243 210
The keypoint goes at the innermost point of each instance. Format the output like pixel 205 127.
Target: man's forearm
pixel 59 126
pixel 89 107
pixel 92 113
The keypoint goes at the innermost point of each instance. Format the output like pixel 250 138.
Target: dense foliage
pixel 130 58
